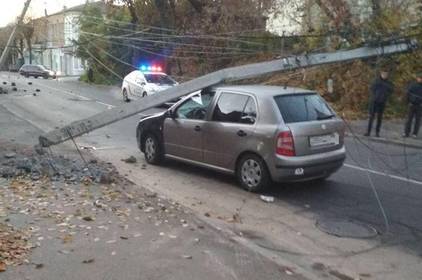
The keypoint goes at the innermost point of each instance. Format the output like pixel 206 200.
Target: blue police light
pixel 143 68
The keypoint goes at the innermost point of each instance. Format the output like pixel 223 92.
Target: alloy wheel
pixel 251 173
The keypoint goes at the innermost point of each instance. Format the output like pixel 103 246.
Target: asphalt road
pixel 378 188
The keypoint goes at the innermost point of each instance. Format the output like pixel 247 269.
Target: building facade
pixel 53 42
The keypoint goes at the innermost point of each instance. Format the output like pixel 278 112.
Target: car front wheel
pixel 252 173
pixel 153 151
pixel 125 96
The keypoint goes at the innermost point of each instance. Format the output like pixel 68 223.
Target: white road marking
pixel 384 174
pixel 105 104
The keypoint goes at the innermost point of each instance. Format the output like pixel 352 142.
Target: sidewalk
pixel 391 133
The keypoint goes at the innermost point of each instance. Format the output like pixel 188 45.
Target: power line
pixel 162 42
pixel 190 36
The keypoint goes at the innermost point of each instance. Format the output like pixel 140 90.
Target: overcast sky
pixel 11 9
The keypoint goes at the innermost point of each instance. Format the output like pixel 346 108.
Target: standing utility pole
pixel 6 50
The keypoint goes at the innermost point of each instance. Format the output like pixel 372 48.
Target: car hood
pixel 163 87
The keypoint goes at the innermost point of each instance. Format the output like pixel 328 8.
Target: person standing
pixel 414 99
pixel 381 89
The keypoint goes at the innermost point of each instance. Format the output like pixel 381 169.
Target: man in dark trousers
pixel 381 89
pixel 414 98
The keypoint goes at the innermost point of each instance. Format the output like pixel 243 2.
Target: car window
pixel 303 107
pixel 250 112
pixel 230 108
pixel 159 79
pixel 196 107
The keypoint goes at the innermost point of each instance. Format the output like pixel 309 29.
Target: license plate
pixel 324 140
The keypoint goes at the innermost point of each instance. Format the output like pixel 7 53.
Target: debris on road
pixel 10 155
pixel 130 159
pixel 39 265
pixel 27 162
pixel 88 261
pixel 187 257
pixel 268 199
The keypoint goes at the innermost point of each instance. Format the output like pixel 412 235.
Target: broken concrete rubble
pixel 56 168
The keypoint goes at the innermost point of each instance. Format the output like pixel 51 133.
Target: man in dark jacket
pixel 414 98
pixel 381 89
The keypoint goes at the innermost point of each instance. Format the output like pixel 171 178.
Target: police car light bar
pixel 152 68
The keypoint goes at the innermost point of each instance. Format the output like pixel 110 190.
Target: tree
pixel 26 33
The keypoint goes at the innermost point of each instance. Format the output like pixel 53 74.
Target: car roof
pixel 264 91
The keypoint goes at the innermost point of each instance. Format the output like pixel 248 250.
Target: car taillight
pixel 285 144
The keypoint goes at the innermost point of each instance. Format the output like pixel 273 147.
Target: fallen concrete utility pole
pixel 12 36
pixel 81 127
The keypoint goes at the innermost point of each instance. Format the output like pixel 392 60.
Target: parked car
pixel 36 71
pixel 259 133
pixel 143 83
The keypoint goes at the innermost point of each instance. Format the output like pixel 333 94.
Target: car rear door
pixel 313 124
pixel 230 130
pixel 183 134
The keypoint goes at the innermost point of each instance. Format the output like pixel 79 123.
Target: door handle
pixel 197 128
pixel 241 133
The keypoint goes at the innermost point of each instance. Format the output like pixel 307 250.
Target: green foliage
pixel 107 60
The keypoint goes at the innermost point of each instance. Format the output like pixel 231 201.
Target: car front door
pixel 231 129
pixel 183 134
pixel 139 84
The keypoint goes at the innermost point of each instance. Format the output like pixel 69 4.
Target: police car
pixel 145 81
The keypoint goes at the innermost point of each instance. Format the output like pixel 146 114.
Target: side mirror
pixel 170 114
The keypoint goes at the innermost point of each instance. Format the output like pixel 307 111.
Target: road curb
pixel 387 141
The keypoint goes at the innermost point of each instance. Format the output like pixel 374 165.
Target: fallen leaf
pixel 88 261
pixel 67 238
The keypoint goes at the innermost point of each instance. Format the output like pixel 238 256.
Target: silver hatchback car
pixel 259 133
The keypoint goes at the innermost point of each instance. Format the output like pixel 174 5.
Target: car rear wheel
pixel 153 151
pixel 252 173
pixel 144 94
pixel 125 96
